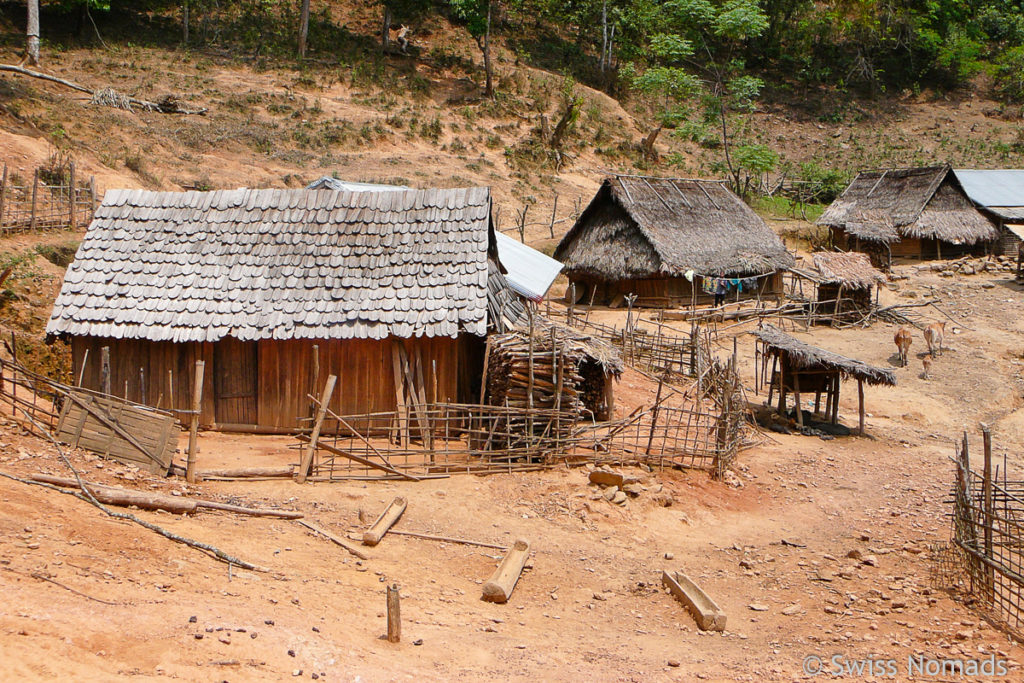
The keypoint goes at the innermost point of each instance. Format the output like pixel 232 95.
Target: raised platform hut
pixel 274 290
pixel 844 286
pixel 800 369
pixel 670 242
pixel 909 213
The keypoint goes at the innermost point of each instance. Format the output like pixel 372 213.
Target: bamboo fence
pixel 36 205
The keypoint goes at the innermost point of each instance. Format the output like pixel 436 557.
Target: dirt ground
pixel 773 552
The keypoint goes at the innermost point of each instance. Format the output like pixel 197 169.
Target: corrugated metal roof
pixel 530 272
pixel 992 189
pixel 329 183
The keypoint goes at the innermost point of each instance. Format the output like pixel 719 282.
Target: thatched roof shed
pixel 852 270
pixel 803 356
pixel 921 203
pixel 641 227
pixel 797 367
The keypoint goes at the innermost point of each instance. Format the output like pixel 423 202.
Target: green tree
pixel 477 15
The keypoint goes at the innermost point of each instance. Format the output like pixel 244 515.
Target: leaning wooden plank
pixel 109 423
pixel 386 520
pixel 706 613
pixel 359 459
pixel 503 581
pixel 331 537
pixel 247 472
pixel 306 463
pixel 109 495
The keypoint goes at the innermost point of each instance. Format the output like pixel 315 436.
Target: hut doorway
pixel 234 382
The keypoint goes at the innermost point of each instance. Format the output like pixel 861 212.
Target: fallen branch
pixel 108 96
pixel 331 537
pixel 446 539
pixel 43 577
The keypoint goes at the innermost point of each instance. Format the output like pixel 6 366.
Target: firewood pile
pixel 557 367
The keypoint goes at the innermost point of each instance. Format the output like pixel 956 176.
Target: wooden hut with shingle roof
pixel 273 287
pixel 911 213
pixel 662 238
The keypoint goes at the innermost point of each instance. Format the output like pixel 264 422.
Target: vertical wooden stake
pixel 72 219
pixel 170 389
pixel 394 614
pixel 193 430
pixel 551 227
pixel 105 370
pixel 35 192
pixel 92 192
pixel 796 398
pixel 989 586
pixel 316 377
pixel 143 398
pixel 860 404
pixel 307 455
pixel 3 192
pixel 81 371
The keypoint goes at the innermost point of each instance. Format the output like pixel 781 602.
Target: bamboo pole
pixel 72 219
pixel 860 405
pixel 989 580
pixel 35 193
pixel 3 193
pixel 193 430
pixel 796 398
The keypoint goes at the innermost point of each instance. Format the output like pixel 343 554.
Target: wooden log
pixel 307 455
pixel 252 512
pixel 706 613
pixel 334 539
pixel 386 520
pixel 110 495
pixel 193 429
pixel 860 405
pixel 394 614
pixel 247 472
pixel 447 539
pixel 503 581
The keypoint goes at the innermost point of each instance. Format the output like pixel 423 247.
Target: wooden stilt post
pixel 394 614
pixel 193 430
pixel 796 398
pixel 3 193
pixel 105 370
pixel 654 416
pixel 990 577
pixel 35 201
pixel 307 455
pixel 860 405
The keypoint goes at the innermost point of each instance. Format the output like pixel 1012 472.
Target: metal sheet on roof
pixel 1017 230
pixel 993 188
pixel 329 183
pixel 530 273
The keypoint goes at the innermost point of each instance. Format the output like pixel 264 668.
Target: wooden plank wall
pixel 285 367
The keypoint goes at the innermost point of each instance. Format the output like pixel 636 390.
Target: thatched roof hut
pixel 852 270
pixel 912 212
pixel 798 366
pixel 276 289
pixel 655 236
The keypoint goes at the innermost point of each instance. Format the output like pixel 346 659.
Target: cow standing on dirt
pixel 933 336
pixel 903 340
pixel 927 363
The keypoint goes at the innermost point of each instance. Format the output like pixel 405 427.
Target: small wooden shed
pixel 277 289
pixel 665 240
pixel 912 213
pixel 800 369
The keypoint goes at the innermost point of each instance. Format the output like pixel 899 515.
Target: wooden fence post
pixel 307 455
pixel 394 614
pixel 92 192
pixel 73 219
pixel 105 370
pixel 35 192
pixel 986 483
pixel 193 430
pixel 551 226
pixel 3 193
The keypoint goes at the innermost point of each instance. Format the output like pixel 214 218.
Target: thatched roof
pixel 803 356
pixel 853 270
pixel 281 264
pixel 884 206
pixel 648 227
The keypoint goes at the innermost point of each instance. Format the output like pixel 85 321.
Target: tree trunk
pixel 647 144
pixel 184 22
pixel 604 33
pixel 725 145
pixel 303 28
pixel 385 29
pixel 485 47
pixel 32 46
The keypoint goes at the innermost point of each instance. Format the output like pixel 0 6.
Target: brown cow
pixel 927 363
pixel 933 336
pixel 903 340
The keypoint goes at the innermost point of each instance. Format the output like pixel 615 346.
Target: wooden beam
pixel 334 539
pixel 307 455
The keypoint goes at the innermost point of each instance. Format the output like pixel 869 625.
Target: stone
pixel 620 498
pixel 606 478
pixel 673 663
pixel 633 489
pixel 669 556
pixel 870 560
pixel 610 492
pixel 795 608
pixel 757 607
pixel 855 555
pixel 665 499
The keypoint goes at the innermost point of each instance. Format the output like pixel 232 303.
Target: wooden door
pixel 234 381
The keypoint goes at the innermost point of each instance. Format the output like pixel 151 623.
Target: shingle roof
pixel 654 227
pixel 260 264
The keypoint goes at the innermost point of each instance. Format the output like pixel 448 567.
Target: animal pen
pixel 841 290
pixel 800 369
pixel 36 205
pixel 985 558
